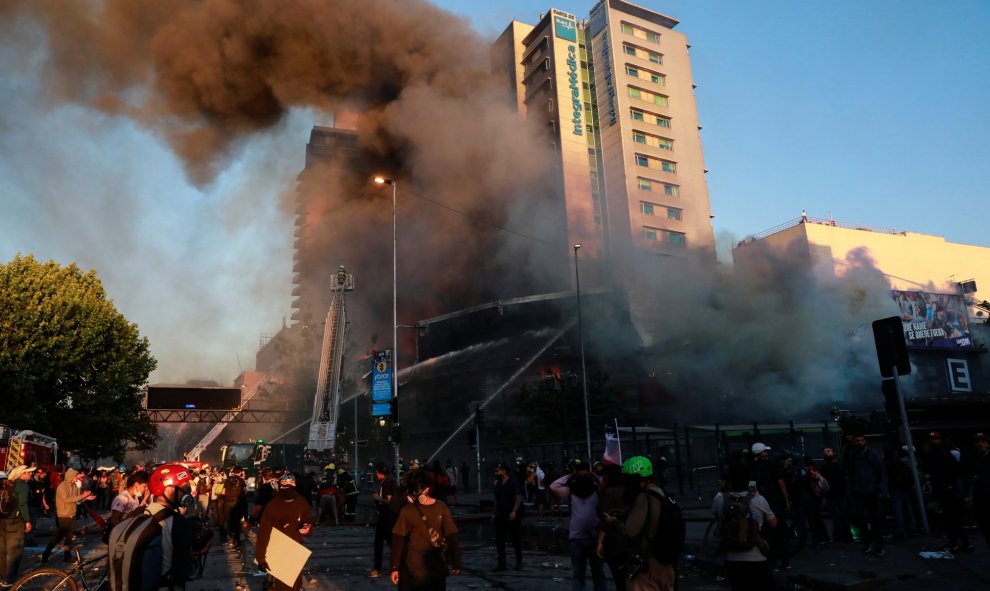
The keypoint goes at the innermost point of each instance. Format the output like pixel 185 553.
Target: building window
pixel 656 141
pixel 637 115
pixel 659 79
pixel 671 190
pixel 628 49
pixel 668 166
pixel 663 121
pixel 646 208
pixel 650 97
pixel 641 53
pixel 673 213
pixel 639 33
pixel 644 184
pixel 665 236
pixel 647 117
pixel 642 161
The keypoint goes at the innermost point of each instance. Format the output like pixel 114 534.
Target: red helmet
pixel 167 475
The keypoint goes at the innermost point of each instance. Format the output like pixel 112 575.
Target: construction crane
pixel 326 405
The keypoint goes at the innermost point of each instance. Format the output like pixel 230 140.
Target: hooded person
pixel 66 496
pixel 288 512
pixel 423 533
pixel 581 488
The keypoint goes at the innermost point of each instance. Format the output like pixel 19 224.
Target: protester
pixel 746 570
pixel 66 496
pixel 423 532
pixel 167 485
pixel 232 504
pixel 507 515
pixel 945 472
pixel 771 482
pixel 613 545
pixel 133 497
pixel 867 484
pixel 978 483
pixel 16 525
pixel 643 525
pixel 837 497
pixel 289 512
pixel 582 490
pixel 382 497
pixel 452 474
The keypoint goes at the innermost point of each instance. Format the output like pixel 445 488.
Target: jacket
pixel 67 495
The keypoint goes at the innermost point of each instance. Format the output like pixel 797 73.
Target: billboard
pixel 381 382
pixel 933 320
pixel 564 26
pixel 192 397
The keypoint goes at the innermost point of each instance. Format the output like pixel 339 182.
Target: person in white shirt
pixel 135 495
pixel 747 569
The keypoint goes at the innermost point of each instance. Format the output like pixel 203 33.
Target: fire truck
pixel 26 447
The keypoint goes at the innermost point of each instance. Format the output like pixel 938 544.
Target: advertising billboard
pixel 192 397
pixel 933 320
pixel 381 382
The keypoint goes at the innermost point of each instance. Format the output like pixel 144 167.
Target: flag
pixel 613 449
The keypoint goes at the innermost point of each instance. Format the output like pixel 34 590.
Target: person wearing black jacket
pixel 946 476
pixel 867 484
pixel 288 512
pixel 837 497
pixel 507 515
pixel 977 483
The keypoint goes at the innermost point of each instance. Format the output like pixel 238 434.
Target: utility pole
pixel 478 418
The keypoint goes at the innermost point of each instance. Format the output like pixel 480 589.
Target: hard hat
pixel 165 476
pixel 759 448
pixel 638 466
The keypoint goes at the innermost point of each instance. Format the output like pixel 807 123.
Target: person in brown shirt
pixel 424 525
pixel 292 515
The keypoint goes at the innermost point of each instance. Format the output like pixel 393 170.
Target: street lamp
pixel 584 371
pixel 395 322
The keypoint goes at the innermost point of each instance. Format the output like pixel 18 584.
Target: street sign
pixel 381 409
pixel 381 376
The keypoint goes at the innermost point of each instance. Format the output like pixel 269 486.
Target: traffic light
pixel 472 438
pixel 393 408
pixel 396 434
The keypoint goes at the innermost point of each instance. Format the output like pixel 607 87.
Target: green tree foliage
pixel 71 365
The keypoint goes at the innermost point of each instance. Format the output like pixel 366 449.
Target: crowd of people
pixel 618 515
pixel 862 490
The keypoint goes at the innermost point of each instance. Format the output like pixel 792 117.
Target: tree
pixel 70 364
pixel 555 408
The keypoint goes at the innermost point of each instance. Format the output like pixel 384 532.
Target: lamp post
pixel 395 323
pixel 584 371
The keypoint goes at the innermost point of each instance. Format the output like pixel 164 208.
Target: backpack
pixel 8 500
pixel 232 488
pixel 671 530
pixel 739 533
pixel 135 553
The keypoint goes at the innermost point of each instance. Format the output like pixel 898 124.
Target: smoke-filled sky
pixel 158 142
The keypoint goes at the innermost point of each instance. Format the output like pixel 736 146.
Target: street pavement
pixel 342 560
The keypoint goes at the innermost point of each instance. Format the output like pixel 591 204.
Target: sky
pixel 868 112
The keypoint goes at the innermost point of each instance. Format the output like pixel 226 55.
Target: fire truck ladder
pixel 326 406
pixel 199 448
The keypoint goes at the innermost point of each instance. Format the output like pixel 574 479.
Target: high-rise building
pixel 616 95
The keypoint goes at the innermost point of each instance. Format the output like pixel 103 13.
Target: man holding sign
pixel 290 515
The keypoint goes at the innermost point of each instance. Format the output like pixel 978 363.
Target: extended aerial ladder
pixel 246 396
pixel 326 406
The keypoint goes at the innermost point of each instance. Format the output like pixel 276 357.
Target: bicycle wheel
pixel 45 579
pixel 710 542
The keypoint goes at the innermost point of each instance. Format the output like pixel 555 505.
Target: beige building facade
pixel 910 261
pixel 615 93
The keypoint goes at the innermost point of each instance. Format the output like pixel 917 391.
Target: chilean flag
pixel 613 449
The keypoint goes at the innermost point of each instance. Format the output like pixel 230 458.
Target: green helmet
pixel 638 466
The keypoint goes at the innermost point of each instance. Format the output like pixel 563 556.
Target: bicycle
pixel 54 579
